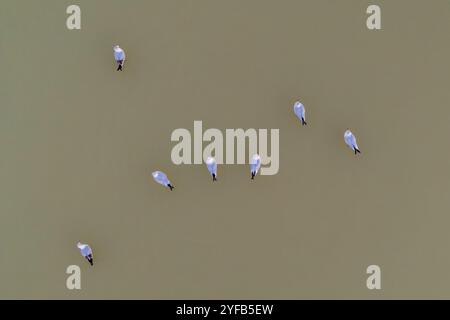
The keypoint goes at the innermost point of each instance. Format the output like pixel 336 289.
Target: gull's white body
pixel 255 164
pixel 212 166
pixel 84 249
pixel 119 54
pixel 350 140
pixel 299 110
pixel 161 178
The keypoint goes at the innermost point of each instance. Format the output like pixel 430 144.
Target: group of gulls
pixel 211 164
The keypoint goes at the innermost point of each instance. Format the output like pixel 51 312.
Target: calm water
pixel 79 141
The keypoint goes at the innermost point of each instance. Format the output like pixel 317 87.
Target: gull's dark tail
pixel 214 177
pixel 304 122
pixel 90 259
pixel 356 150
pixel 253 175
pixel 120 66
pixel 171 187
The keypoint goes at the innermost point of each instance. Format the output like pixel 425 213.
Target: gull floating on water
pixel 119 56
pixel 86 252
pixel 299 110
pixel 161 178
pixel 255 164
pixel 212 167
pixel 350 140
